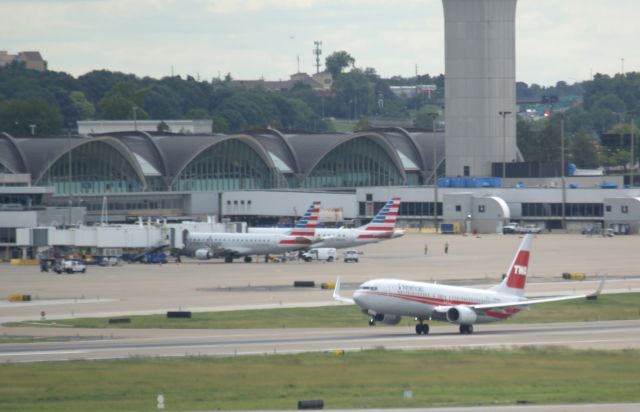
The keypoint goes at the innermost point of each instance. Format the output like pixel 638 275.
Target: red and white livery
pixel 388 300
pixel 208 245
pixel 381 227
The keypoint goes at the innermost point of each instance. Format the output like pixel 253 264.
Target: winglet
pixel 595 294
pixel 336 293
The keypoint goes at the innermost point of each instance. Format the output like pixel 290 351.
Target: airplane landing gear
pixel 372 322
pixel 228 259
pixel 422 329
pixel 466 329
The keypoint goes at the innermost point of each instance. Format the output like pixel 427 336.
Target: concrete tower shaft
pixel 479 83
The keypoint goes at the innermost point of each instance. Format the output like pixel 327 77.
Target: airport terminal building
pixel 267 177
pixel 270 176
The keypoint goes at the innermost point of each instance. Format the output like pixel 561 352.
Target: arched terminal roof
pixel 143 144
pixel 290 156
pixel 41 153
pixel 11 155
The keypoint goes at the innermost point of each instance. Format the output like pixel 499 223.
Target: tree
pixel 425 117
pixel 353 95
pixel 160 102
pixel 583 150
pixel 220 125
pixel 97 83
pixel 363 124
pixel 163 127
pixel 117 107
pixel 197 114
pixel 84 107
pixel 229 120
pixel 337 62
pixel 18 116
pixel 538 141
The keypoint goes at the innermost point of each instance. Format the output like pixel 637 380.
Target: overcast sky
pixel 555 39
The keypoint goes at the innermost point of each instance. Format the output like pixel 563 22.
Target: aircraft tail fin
pixel 306 225
pixel 385 220
pixel 516 277
pixel 336 294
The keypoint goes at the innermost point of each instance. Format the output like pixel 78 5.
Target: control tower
pixel 480 85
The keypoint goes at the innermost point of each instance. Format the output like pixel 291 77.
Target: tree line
pixel 49 103
pixel 55 101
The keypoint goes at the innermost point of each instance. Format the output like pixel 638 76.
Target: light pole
pixel 433 117
pixel 562 172
pixel 633 157
pixel 135 118
pixel 70 180
pixel 504 115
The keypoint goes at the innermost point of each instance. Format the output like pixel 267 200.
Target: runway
pixel 88 344
pixel 135 289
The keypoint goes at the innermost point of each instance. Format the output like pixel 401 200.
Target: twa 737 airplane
pixel 381 227
pixel 207 245
pixel 387 300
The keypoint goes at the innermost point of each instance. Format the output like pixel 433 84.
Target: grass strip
pixel 369 379
pixel 606 307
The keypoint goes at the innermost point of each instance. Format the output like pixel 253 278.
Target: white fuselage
pixel 242 244
pixel 338 238
pixel 421 300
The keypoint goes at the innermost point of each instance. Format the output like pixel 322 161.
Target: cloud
pixel 252 6
pixel 252 38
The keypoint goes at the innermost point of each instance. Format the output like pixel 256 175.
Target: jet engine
pixel 388 319
pixel 461 315
pixel 202 254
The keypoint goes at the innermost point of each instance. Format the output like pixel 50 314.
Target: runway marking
pixel 49 352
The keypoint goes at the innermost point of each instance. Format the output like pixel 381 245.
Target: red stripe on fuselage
pixel 294 242
pixel 494 313
pixel 371 236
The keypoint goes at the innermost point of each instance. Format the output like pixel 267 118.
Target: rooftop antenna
pixel 317 51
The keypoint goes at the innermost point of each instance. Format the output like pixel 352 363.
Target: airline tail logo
pixel 307 224
pixel 385 220
pixel 518 274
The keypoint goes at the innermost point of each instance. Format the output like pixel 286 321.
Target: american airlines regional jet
pixel 207 245
pixel 387 300
pixel 381 227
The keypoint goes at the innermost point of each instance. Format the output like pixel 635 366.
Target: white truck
pixel 322 253
pixel 350 255
pixel 70 266
pixel 514 227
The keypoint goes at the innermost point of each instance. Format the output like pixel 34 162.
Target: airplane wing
pixel 322 242
pixel 305 241
pixel 526 302
pixel 336 294
pixel 219 251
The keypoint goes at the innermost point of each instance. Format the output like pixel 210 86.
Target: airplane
pixel 381 227
pixel 207 245
pixel 388 300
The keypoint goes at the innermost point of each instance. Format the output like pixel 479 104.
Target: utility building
pixel 479 85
